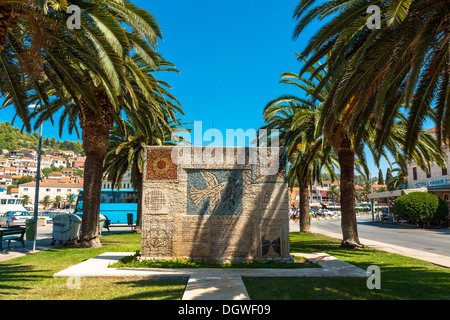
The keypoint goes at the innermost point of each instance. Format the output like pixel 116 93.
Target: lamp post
pixel 371 200
pixel 38 178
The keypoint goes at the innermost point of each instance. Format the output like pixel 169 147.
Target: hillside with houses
pixel 62 165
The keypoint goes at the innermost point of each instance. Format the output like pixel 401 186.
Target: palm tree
pixel 333 191
pixel 57 202
pixel 89 75
pixel 295 117
pixel 373 74
pixel 70 197
pixel 126 151
pixel 402 64
pixel 396 182
pixel 46 202
pixel 26 199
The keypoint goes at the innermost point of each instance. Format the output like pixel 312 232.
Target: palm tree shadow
pixel 166 290
pixel 12 273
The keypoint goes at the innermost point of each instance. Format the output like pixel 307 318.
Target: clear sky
pixel 231 55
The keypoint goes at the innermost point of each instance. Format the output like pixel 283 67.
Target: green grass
pixel 401 277
pixel 31 277
pixel 133 262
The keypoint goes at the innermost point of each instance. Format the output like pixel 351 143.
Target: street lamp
pixel 38 178
pixel 371 200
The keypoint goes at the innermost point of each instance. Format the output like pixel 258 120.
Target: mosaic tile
pixel 160 165
pixel 214 192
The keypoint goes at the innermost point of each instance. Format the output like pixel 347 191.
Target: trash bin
pixel 101 223
pixel 130 219
pixel 29 229
pixel 66 228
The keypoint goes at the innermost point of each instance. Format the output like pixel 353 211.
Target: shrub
pixel 421 206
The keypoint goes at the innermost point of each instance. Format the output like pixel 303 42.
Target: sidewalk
pixel 43 242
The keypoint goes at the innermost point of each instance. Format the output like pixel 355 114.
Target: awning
pixel 395 193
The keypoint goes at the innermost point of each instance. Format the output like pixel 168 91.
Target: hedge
pixel 421 206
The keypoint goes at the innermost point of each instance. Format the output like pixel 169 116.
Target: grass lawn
pixel 31 276
pixel 401 277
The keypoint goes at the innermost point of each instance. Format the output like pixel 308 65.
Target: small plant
pixel 133 262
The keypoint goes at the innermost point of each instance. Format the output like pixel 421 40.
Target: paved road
pixel 436 241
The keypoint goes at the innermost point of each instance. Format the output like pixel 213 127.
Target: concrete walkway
pixel 209 283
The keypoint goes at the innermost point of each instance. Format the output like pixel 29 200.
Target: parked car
pixel 324 213
pixel 14 218
pixel 313 212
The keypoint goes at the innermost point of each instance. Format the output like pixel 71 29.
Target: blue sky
pixel 230 54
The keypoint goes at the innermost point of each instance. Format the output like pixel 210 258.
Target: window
pixel 429 172
pixel 415 173
pixel 47 190
pixel 69 190
pixel 25 189
pixel 444 171
pixel 58 190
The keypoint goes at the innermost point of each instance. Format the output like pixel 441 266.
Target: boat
pixel 10 203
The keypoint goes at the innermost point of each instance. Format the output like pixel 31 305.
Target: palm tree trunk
pixel 304 205
pixel 346 158
pixel 95 134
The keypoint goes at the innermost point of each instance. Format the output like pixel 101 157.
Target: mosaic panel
pixel 214 192
pixel 158 241
pixel 155 201
pixel 271 245
pixel 160 165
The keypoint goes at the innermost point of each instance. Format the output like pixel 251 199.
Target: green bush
pixel 421 206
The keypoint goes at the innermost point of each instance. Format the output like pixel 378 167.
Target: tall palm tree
pixel 89 73
pixel 374 74
pixel 126 152
pixel 298 118
pixel 295 117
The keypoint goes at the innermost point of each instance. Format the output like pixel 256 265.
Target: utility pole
pixel 38 178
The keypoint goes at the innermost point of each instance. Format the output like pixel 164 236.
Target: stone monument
pixel 215 204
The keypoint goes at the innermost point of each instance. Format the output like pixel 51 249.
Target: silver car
pixel 14 218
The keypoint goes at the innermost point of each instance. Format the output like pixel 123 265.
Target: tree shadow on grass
pixel 11 274
pixel 166 289
pixel 401 277
pixel 397 283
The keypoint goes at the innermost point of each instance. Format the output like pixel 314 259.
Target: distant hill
pixel 12 139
